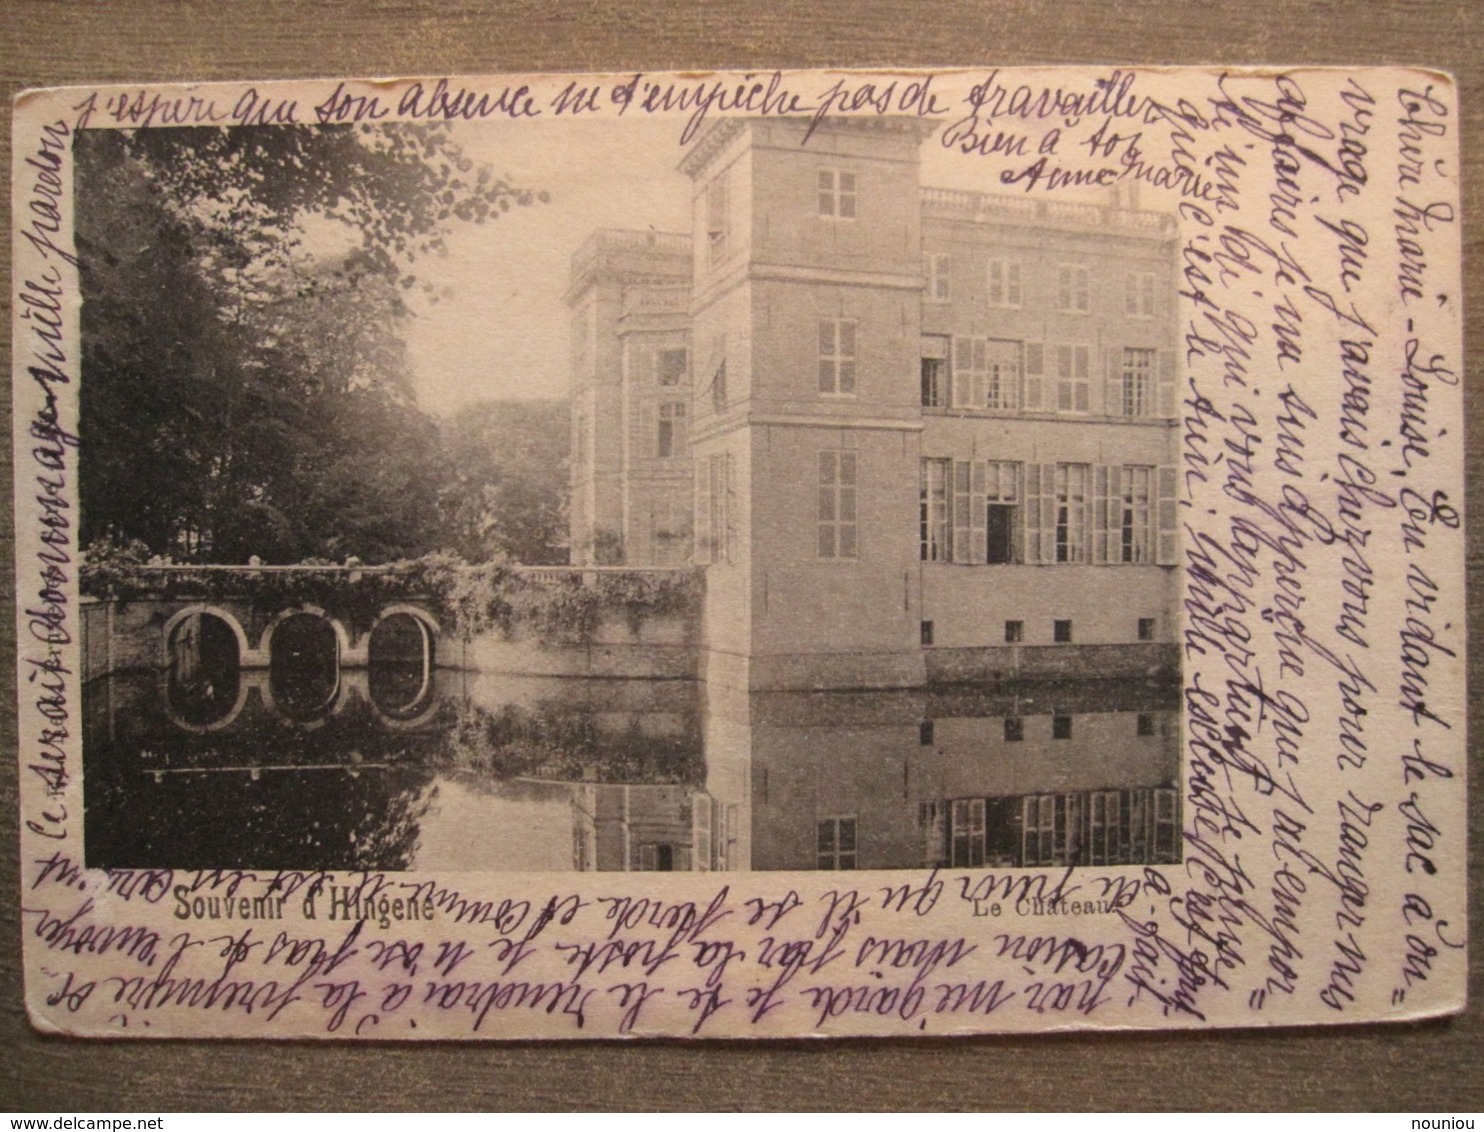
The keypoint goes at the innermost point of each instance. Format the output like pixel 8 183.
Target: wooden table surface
pixel 1430 1069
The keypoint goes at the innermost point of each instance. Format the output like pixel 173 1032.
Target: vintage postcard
pixel 740 555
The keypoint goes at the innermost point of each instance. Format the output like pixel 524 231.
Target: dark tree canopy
pixel 246 388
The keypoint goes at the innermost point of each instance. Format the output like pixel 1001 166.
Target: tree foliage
pixel 503 493
pixel 246 388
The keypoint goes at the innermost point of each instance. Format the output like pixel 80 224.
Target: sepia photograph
pixel 767 555
pixel 551 497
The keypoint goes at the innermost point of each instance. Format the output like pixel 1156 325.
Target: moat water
pixel 399 766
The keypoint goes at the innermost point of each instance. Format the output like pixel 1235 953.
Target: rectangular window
pixel 969 372
pixel 1002 374
pixel 837 505
pixel 837 194
pixel 1073 378
pixel 714 511
pixel 1040 830
pixel 986 373
pixel 672 366
pixel 718 221
pixel 1138 294
pixel 673 439
pixel 1004 283
pixel 925 633
pixel 966 832
pixel 1135 390
pixel 1146 628
pixel 1145 726
pixel 836 843
pixel 1014 632
pixel 930 819
pixel 1061 726
pixel 1072 290
pixel 1014 729
pixel 1070 488
pixel 837 357
pixel 1166 822
pixel 925 733
pixel 1002 526
pixel 1061 632
pixel 670 532
pixel 1135 485
pixel 937 267
pixel 934 371
pixel 933 511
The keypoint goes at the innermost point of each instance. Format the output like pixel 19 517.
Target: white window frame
pixel 1073 288
pixel 837 194
pixel 935 510
pixel 837 354
pixel 837 526
pixel 1073 378
pixel 1005 278
pixel 1136 514
pixel 1072 483
pixel 1136 382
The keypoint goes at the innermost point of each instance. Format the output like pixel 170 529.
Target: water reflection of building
pixel 495 773
pixel 909 780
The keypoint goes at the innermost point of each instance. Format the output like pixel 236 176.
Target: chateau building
pixel 912 434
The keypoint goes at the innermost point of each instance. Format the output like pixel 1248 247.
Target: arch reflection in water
pixel 400 658
pixel 203 676
pixel 304 665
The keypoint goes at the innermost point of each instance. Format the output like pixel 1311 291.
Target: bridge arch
pixel 400 673
pixel 203 681
pixel 304 672
pixel 197 610
pixel 342 638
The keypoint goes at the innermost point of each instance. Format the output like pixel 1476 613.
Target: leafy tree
pixel 504 490
pixel 246 390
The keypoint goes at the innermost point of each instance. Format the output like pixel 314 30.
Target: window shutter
pixel 978 545
pixel 1168 552
pixel 1167 383
pixel 1103 478
pixel 1035 371
pixel 1045 504
pixel 1031 506
pixel 1113 383
pixel 650 417
pixel 962 361
pixel 1048 513
pixel 1084 378
pixel 962 544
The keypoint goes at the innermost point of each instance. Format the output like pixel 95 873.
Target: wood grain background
pixel 1429 1069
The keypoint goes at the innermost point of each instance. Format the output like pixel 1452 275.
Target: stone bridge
pixel 174 626
pixel 189 619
